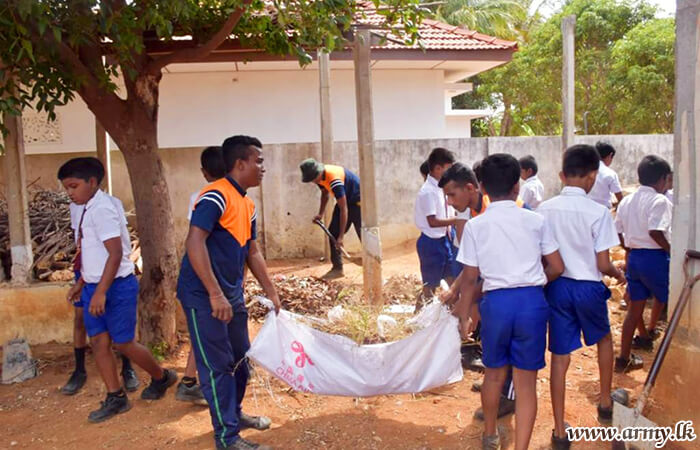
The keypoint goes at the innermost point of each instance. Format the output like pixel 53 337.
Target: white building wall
pixel 278 106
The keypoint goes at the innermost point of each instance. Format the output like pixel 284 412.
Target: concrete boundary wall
pixel 287 205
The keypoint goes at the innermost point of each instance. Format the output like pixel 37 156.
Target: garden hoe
pixel 347 256
pixel 624 417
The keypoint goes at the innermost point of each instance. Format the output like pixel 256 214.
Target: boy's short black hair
pixel 238 147
pixel 651 169
pixel 440 156
pixel 460 174
pixel 425 168
pixel 476 168
pixel 84 168
pixel 212 160
pixel 499 173
pixel 580 160
pixel 528 162
pixel 604 149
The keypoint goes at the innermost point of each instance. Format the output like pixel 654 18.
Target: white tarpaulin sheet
pixel 309 360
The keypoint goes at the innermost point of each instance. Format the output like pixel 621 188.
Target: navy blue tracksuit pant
pixel 219 350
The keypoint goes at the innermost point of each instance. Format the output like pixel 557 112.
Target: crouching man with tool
pixel 345 187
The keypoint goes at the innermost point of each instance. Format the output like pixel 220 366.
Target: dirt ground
pixel 35 415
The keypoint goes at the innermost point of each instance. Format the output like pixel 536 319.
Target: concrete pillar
pixel 102 145
pixel 324 84
pixel 676 387
pixel 371 243
pixel 324 77
pixel 17 201
pixel 568 26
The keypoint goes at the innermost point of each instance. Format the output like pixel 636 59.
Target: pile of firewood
pixel 53 242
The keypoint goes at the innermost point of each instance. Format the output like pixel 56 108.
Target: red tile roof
pixel 434 35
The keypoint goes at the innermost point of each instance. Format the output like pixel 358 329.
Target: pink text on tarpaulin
pixel 296 380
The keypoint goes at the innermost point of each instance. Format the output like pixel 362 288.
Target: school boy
pixel 578 299
pixel 607 181
pixel 345 187
pixel 79 376
pixel 505 246
pixel 643 222
pixel 532 189
pixel 462 191
pixel 213 168
pixel 220 242
pixel 108 287
pixel 434 218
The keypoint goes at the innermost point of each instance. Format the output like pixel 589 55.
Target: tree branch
pixel 197 53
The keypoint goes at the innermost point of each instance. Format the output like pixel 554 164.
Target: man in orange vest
pixel 345 187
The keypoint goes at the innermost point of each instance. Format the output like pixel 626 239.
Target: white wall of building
pixel 278 106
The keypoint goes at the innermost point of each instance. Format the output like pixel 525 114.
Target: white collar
pixel 95 198
pixel 532 178
pixel 433 181
pixel 501 204
pixel 648 189
pixel 573 190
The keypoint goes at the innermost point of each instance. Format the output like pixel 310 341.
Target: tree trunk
pixel 505 122
pixel 157 302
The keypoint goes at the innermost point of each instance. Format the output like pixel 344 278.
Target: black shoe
pixel 626 365
pixel 655 333
pixel 157 388
pixel 505 407
pixel 643 343
pixel 471 357
pixel 75 383
pixel 131 381
pixel 109 408
pixel 476 386
pixel 191 394
pixel 336 272
pixel 254 422
pixel 605 415
pixel 243 444
pixel 561 443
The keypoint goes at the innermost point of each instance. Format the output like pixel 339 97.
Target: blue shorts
pixel 577 306
pixel 514 327
pixel 437 260
pixel 648 274
pixel 119 318
pixel 79 303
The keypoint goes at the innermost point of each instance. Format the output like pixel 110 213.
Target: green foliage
pixel 159 350
pixel 493 17
pixel 642 74
pixel 55 48
pixel 624 73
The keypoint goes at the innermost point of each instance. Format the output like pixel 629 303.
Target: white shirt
pixel 190 207
pixel 606 183
pixel 582 228
pixel 669 195
pixel 104 219
pixel 464 215
pixel 506 243
pixel 431 202
pixel 641 212
pixel 532 192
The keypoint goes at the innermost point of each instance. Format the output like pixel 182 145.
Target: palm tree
pixel 507 19
pixel 493 17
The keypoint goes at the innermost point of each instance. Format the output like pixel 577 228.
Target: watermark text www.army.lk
pixel 682 431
